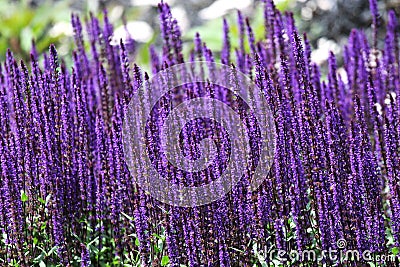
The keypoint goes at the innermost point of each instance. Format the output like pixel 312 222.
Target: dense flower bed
pixel 68 199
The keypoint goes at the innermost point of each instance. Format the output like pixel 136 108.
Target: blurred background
pixel 327 22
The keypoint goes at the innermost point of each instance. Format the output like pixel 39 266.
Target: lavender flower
pixel 336 163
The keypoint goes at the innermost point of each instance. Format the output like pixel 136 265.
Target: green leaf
pixel 41 200
pixel 292 224
pixel 40 257
pixel 236 249
pixel 160 244
pixel 395 251
pixel 24 197
pixel 52 250
pixel 137 242
pixel 127 216
pixel 390 240
pixel 164 260
pixel 94 249
pixel 42 264
pixel 4 237
pixel 94 240
pixel 158 236
pixel 48 199
pixel 43 226
pixel 77 237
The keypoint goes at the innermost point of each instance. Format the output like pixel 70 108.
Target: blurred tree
pixel 327 22
pixel 22 21
pixel 334 19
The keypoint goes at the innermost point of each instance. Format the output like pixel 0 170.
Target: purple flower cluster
pixel 336 171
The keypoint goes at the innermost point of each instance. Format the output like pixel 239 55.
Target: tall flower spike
pixel 127 82
pixel 240 52
pixel 172 47
pixel 198 47
pixel 269 23
pixel 333 81
pixel 393 180
pixel 85 256
pixel 155 60
pixel 225 54
pixel 335 178
pixel 251 38
pixel 373 5
pixel 78 35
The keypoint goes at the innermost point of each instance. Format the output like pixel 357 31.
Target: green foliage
pixel 214 38
pixel 164 260
pixel 395 251
pixel 100 245
pixel 20 23
pixel 24 197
